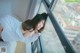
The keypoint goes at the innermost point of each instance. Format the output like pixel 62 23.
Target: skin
pixel 38 27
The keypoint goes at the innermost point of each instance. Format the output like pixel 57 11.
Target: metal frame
pixel 39 45
pixel 49 4
pixel 65 42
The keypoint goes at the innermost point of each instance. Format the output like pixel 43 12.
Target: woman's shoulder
pixel 9 21
pixel 9 18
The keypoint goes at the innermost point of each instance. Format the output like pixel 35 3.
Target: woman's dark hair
pixel 31 24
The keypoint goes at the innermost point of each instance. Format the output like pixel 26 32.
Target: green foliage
pixel 72 1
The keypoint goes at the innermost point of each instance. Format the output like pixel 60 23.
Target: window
pixel 49 36
pixel 67 14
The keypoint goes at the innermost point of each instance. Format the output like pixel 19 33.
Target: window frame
pixel 65 42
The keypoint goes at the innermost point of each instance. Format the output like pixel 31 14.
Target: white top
pixel 12 32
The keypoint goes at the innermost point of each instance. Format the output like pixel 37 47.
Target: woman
pixel 27 31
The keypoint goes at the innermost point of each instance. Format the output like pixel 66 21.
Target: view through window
pixel 51 41
pixel 67 14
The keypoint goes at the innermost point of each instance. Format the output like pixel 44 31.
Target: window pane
pixel 49 36
pixel 67 15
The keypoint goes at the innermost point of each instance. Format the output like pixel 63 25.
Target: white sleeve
pixel 11 46
pixel 8 21
pixel 5 22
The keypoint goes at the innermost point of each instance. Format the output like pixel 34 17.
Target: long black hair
pixel 31 24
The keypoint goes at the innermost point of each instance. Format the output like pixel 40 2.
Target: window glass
pixel 67 15
pixel 49 36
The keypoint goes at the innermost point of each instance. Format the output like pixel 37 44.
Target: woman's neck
pixel 28 33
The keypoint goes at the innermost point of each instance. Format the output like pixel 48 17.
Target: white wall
pixel 23 9
pixel 20 8
pixel 5 8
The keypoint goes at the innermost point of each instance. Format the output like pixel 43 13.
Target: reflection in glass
pixel 68 16
pixel 50 39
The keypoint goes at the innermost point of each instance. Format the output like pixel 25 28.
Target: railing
pixel 38 45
